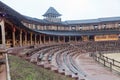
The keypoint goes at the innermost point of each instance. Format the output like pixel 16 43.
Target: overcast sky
pixel 70 9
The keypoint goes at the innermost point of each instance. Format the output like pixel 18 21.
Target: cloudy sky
pixel 70 9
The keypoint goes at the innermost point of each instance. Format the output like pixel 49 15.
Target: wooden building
pixel 19 30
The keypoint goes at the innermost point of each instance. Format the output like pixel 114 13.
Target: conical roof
pixel 51 12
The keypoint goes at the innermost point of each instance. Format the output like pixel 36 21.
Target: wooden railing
pixel 112 64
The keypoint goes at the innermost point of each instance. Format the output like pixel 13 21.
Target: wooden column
pixel 20 37
pixel 25 38
pixel 64 39
pixel 53 39
pixel 44 39
pixel 13 36
pixel 58 38
pixel 75 38
pixel 49 39
pixel 2 23
pixel 40 40
pixel 35 38
pixel 31 38
pixel 69 38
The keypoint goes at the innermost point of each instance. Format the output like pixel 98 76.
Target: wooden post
pixel 40 40
pixel 69 38
pixel 110 66
pixel 25 38
pixel 64 38
pixel 35 38
pixel 58 38
pixel 75 39
pixel 44 39
pixel 31 38
pixel 98 59
pixel 107 58
pixel 2 23
pixel 113 61
pixel 104 62
pixel 13 36
pixel 20 37
pixel 49 39
pixel 53 39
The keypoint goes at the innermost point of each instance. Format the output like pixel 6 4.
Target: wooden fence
pixel 112 64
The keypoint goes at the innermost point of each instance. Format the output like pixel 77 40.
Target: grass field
pixel 23 70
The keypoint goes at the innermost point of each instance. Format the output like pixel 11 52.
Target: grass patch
pixel 23 70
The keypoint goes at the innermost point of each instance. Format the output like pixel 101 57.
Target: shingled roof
pixel 90 21
pixel 78 33
pixel 52 12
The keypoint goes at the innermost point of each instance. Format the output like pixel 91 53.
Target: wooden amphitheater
pixel 73 48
